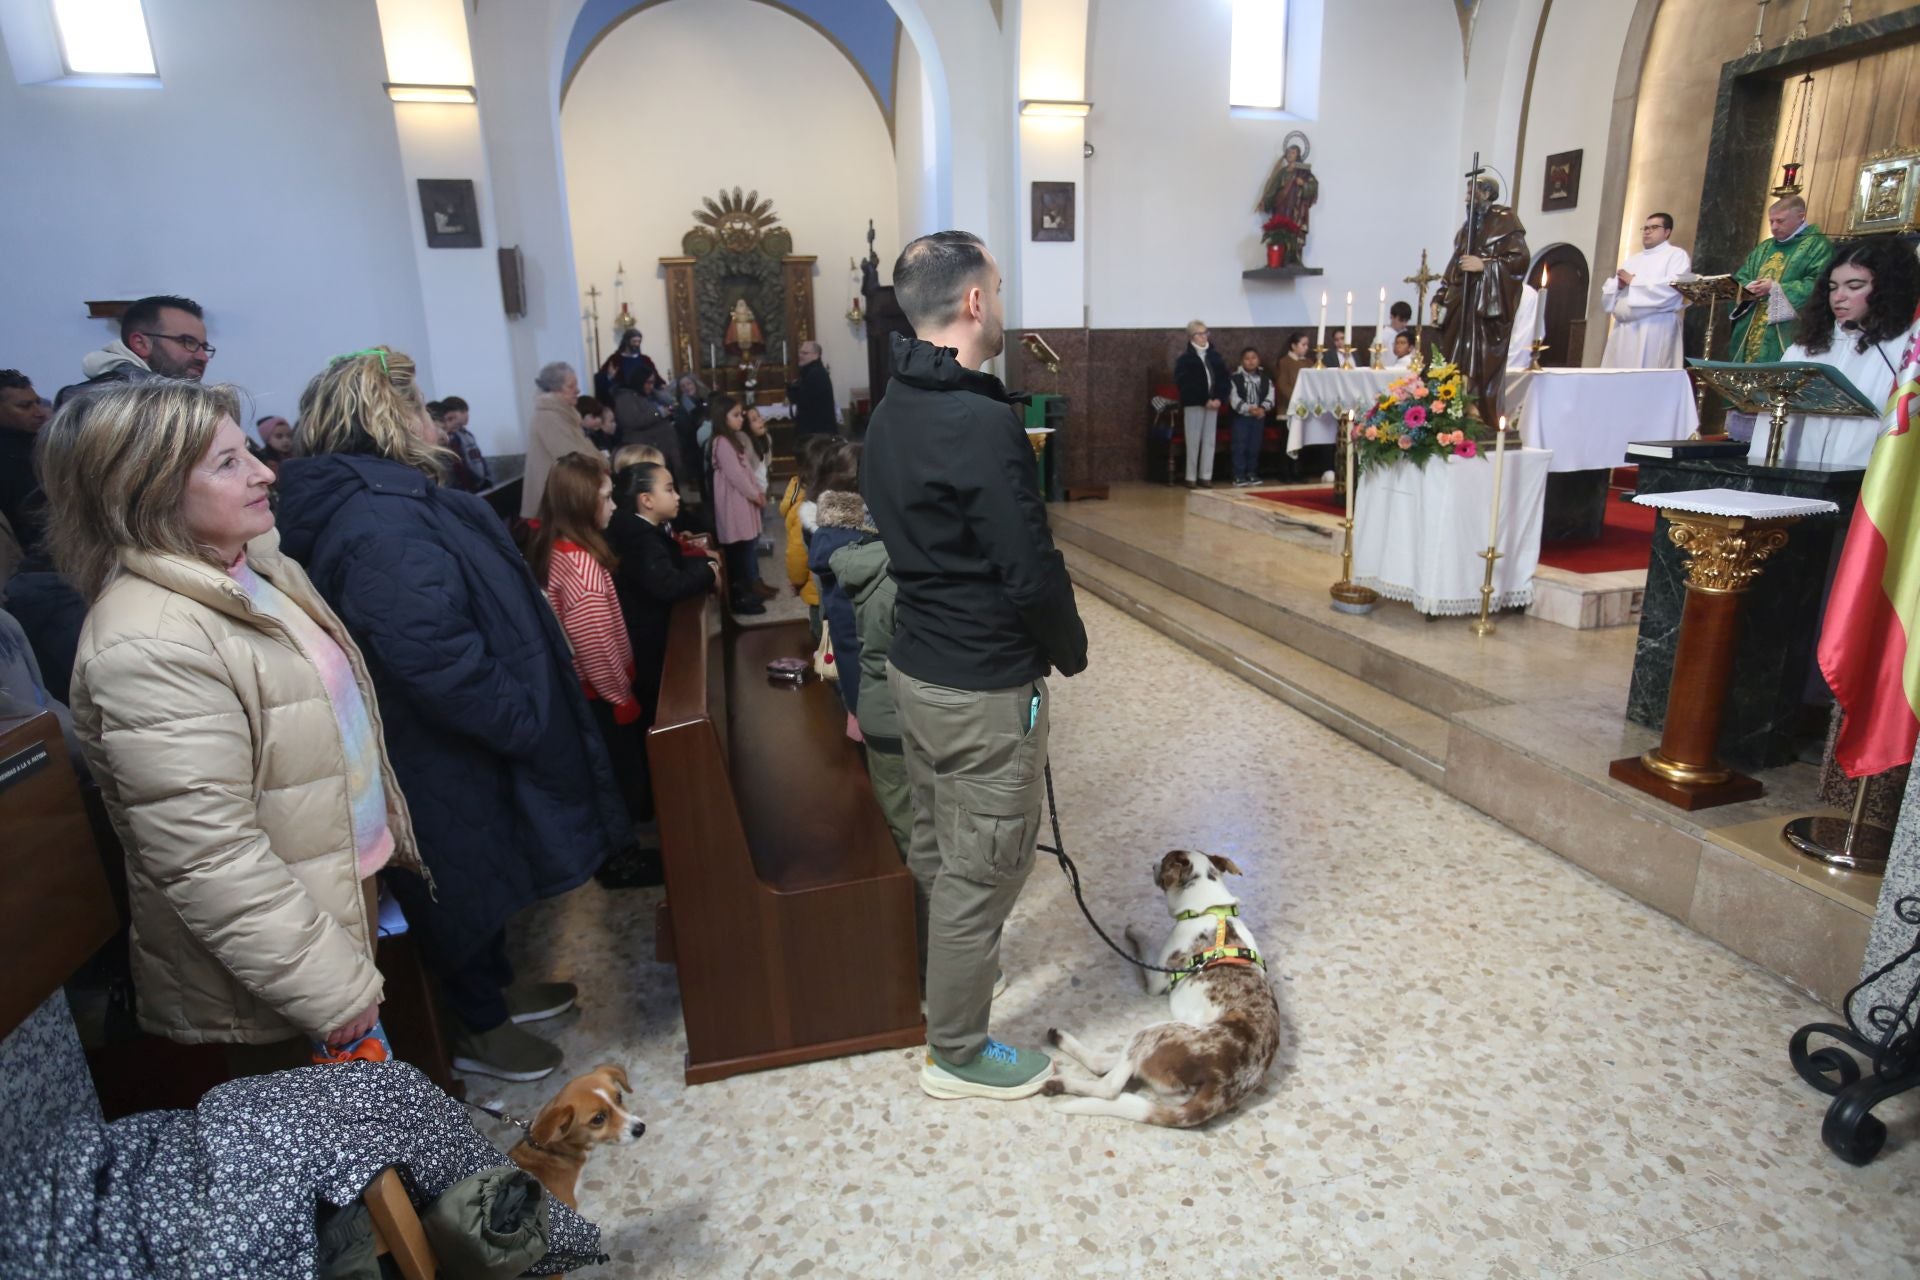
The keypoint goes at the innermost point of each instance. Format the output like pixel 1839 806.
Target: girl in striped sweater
pixel 572 561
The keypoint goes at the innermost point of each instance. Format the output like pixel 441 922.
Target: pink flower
pixel 1373 433
pixel 1406 442
pixel 1466 449
pixel 1418 391
pixel 1416 417
pixel 1439 406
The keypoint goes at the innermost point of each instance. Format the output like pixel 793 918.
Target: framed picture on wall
pixel 1886 193
pixel 1053 211
pixel 1562 190
pixel 452 213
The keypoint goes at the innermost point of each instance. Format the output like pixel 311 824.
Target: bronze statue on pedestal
pixel 1480 292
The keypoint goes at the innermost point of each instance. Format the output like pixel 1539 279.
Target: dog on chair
pixel 1225 1029
pixel 589 1111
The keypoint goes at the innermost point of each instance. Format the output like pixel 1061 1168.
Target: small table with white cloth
pixel 1418 531
pixel 1588 417
pixel 1320 394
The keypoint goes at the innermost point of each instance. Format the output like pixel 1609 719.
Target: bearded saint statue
pixel 1480 293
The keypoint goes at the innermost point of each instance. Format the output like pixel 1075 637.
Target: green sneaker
pixel 1001 1072
pixel 537 1001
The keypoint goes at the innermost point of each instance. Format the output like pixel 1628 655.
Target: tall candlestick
pixel 1380 324
pixel 1540 322
pixel 710 361
pixel 1350 426
pixel 1320 334
pixel 1499 469
pixel 1759 30
pixel 1349 319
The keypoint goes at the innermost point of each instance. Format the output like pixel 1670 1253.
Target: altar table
pixel 1418 531
pixel 1588 417
pixel 1322 393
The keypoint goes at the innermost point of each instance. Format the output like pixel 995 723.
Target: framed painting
pixel 451 212
pixel 1885 194
pixel 1562 190
pixel 1053 211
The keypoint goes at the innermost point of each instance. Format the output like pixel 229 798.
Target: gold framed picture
pixel 1886 194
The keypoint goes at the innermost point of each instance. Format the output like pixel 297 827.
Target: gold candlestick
pixel 1377 349
pixel 1319 356
pixel 1483 626
pixel 1533 365
pixel 1348 596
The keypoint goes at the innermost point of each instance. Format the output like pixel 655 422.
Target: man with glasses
pixel 1643 302
pixel 163 336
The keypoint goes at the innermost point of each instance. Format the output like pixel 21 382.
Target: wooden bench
pixel 789 912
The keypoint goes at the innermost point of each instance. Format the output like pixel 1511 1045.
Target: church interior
pixel 1495 567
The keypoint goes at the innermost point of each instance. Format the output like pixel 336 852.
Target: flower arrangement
pixel 1284 231
pixel 1421 416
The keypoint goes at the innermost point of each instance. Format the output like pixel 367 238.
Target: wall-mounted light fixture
pixel 1053 107
pixel 459 93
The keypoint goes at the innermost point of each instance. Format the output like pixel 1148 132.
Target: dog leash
pixel 513 1120
pixel 1059 850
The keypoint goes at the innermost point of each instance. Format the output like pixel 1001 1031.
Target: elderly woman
pixel 1201 374
pixel 231 722
pixel 554 432
pixel 512 795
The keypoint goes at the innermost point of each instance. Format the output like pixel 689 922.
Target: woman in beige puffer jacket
pixel 211 729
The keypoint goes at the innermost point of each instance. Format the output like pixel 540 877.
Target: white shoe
pixel 1327 478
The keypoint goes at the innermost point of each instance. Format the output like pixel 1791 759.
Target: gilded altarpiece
pixel 739 300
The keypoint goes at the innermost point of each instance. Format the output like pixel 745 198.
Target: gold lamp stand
pixel 1484 624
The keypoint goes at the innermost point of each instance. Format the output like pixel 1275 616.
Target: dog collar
pixel 1222 911
pixel 1219 953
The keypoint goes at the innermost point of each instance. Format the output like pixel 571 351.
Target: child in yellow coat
pixel 796 505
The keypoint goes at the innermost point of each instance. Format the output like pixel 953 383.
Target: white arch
pixel 940 100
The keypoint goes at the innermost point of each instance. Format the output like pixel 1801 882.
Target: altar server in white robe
pixel 1643 302
pixel 1862 325
pixel 1529 326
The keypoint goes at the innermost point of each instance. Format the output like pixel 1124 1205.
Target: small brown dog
pixel 1225 1029
pixel 589 1110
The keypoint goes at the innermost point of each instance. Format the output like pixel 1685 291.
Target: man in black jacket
pixel 984 609
pixel 812 394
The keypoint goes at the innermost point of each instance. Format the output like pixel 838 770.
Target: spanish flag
pixel 1867 649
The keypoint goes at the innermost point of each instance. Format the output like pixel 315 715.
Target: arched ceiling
pixel 866 31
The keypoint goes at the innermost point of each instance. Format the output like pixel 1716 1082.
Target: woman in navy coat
pixel 512 795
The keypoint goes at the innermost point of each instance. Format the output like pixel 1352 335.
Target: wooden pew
pixel 789 912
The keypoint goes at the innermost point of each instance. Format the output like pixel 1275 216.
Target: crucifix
pixel 1421 279
pixel 593 307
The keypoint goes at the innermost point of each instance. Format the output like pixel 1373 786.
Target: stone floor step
pixel 1399 731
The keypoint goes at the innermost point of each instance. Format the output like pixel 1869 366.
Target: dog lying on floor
pixel 1226 1022
pixel 588 1111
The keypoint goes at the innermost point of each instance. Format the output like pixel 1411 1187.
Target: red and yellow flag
pixel 1866 643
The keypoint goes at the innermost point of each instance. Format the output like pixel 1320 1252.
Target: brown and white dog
pixel 588 1111
pixel 1226 1022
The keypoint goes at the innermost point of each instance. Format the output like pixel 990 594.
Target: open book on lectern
pixel 1806 387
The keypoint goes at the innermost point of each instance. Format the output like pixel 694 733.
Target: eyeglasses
pixel 186 341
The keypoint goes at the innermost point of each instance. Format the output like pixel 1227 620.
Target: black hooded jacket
pixel 950 481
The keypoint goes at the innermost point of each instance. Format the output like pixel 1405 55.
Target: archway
pixel 1565 269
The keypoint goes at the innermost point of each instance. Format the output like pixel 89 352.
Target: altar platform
pixel 1521 724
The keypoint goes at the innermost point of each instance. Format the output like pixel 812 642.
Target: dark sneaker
pixel 631 868
pixel 535 1001
pixel 748 605
pixel 1000 1072
pixel 505 1053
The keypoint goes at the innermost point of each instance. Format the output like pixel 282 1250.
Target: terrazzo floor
pixel 1496 1064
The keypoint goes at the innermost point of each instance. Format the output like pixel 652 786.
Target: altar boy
pixel 1250 396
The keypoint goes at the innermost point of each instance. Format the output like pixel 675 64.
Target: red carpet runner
pixel 1625 541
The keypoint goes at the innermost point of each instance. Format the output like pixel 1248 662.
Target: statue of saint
pixel 1288 197
pixel 1480 292
pixel 743 331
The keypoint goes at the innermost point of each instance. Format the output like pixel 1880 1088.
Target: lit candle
pixel 710 362
pixel 1499 468
pixel 1380 324
pixel 1540 324
pixel 1349 319
pixel 1320 334
pixel 1352 428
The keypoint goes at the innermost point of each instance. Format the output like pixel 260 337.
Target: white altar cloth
pixel 1418 531
pixel 1322 393
pixel 1588 417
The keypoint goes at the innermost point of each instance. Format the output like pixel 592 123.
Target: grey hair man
pixel 553 432
pixel 984 611
pixel 811 394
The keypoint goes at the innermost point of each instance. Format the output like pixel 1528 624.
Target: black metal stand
pixel 1850 1131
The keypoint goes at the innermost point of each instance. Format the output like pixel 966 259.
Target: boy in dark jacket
pixel 655 573
pixel 840 520
pixel 984 610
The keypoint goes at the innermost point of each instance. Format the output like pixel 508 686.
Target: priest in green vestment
pixel 1777 279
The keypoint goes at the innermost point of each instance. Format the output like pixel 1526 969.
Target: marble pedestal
pixel 1773 665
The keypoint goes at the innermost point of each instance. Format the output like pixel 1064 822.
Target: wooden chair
pixel 789 912
pixel 396 1227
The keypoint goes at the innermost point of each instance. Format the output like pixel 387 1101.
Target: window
pixel 103 38
pixel 1257 70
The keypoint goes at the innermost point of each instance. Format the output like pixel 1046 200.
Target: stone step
pixel 1407 735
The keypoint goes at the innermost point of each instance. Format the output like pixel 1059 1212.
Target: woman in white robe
pixel 1861 325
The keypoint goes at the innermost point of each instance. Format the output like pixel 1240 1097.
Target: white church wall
pixel 1172 186
pixel 262 179
pixel 914 150
pixel 1503 32
pixel 646 136
pixel 1572 110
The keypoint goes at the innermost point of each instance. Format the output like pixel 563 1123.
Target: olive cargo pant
pixel 974 761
